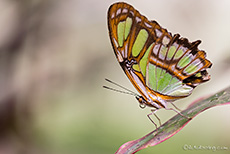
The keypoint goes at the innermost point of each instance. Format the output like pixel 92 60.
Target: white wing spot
pixel 165 40
pixel 118 11
pixel 112 16
pixel 138 19
pixel 115 42
pixel 119 57
pixel 158 32
pixel 126 50
pixel 131 13
pixel 148 25
pixel 125 10
pixel 156 49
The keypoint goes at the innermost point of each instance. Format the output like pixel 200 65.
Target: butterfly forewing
pixel 162 67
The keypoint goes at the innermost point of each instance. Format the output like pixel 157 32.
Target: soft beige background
pixel 55 55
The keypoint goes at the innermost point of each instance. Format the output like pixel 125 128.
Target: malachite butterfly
pixel 162 67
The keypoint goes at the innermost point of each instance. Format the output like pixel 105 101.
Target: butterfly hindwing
pixel 177 66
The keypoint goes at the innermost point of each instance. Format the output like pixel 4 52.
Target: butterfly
pixel 161 66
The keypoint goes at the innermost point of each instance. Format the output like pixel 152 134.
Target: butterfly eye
pixel 142 101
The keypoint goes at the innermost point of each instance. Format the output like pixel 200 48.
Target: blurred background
pixel 54 56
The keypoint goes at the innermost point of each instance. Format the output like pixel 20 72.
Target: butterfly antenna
pixel 128 91
pixel 124 92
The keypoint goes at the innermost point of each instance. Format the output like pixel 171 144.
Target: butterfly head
pixel 142 101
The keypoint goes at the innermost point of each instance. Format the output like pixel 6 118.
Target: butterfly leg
pixel 178 113
pixel 176 107
pixel 153 112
